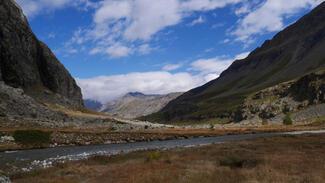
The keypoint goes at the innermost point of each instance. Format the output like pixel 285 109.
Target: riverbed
pixel 27 160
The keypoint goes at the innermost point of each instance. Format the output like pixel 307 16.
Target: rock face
pixel 134 105
pixel 29 64
pixel 291 54
pixel 304 96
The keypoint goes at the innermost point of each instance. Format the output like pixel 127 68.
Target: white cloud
pixel 211 68
pixel 268 17
pixel 118 50
pixel 242 55
pixel 199 20
pixel 148 18
pixel 135 22
pixel 144 49
pixel 106 88
pixel 171 67
pixel 212 65
pixel 206 5
pixel 32 8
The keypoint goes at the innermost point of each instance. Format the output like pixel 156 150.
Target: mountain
pixel 291 54
pixel 135 104
pixel 31 77
pixel 93 105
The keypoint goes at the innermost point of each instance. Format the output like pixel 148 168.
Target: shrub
pixel 232 162
pixel 238 162
pixel 32 137
pixel 153 156
pixel 287 120
pixel 265 122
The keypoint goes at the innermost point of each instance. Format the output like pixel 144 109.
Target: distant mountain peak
pixel 135 94
pixel 137 104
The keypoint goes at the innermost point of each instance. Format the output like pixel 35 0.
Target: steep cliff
pixel 27 63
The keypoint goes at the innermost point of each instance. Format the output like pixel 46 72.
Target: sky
pixel 113 47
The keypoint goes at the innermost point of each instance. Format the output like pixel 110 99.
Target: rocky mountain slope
pixel 31 77
pixel 27 63
pixel 136 104
pixel 291 54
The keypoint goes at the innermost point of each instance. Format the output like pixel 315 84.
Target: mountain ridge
pixel 292 53
pixel 135 104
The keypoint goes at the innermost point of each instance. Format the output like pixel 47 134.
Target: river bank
pixel 95 136
pixel 274 159
pixel 13 162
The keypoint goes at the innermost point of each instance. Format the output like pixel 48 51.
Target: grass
pixel 318 122
pixel 288 159
pixel 32 137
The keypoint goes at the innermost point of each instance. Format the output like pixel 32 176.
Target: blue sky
pixel 155 46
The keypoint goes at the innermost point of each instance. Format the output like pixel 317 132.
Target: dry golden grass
pixel 279 160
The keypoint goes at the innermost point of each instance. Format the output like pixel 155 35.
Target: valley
pixel 260 120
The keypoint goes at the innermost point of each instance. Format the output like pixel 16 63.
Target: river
pixel 26 160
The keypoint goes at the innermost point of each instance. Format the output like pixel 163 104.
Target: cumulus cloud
pixel 118 50
pixel 171 67
pixel 211 65
pixel 134 23
pixel 34 7
pixel 107 88
pixel 214 66
pixel 268 17
pixel 242 56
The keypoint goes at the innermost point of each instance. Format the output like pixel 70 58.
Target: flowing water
pixel 26 160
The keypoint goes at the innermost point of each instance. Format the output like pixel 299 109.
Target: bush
pixel 32 137
pixel 265 122
pixel 153 156
pixel 232 162
pixel 287 120
pixel 238 162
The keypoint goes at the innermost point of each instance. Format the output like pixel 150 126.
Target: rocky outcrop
pixel 291 54
pixel 29 64
pixel 15 103
pixel 302 99
pixel 134 105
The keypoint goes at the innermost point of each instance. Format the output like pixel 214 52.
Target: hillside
pixel 134 105
pixel 27 63
pixel 293 53
pixel 31 77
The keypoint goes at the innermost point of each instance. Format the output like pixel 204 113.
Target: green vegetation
pixel 152 156
pixel 320 121
pixel 265 122
pixel 287 120
pixel 32 137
